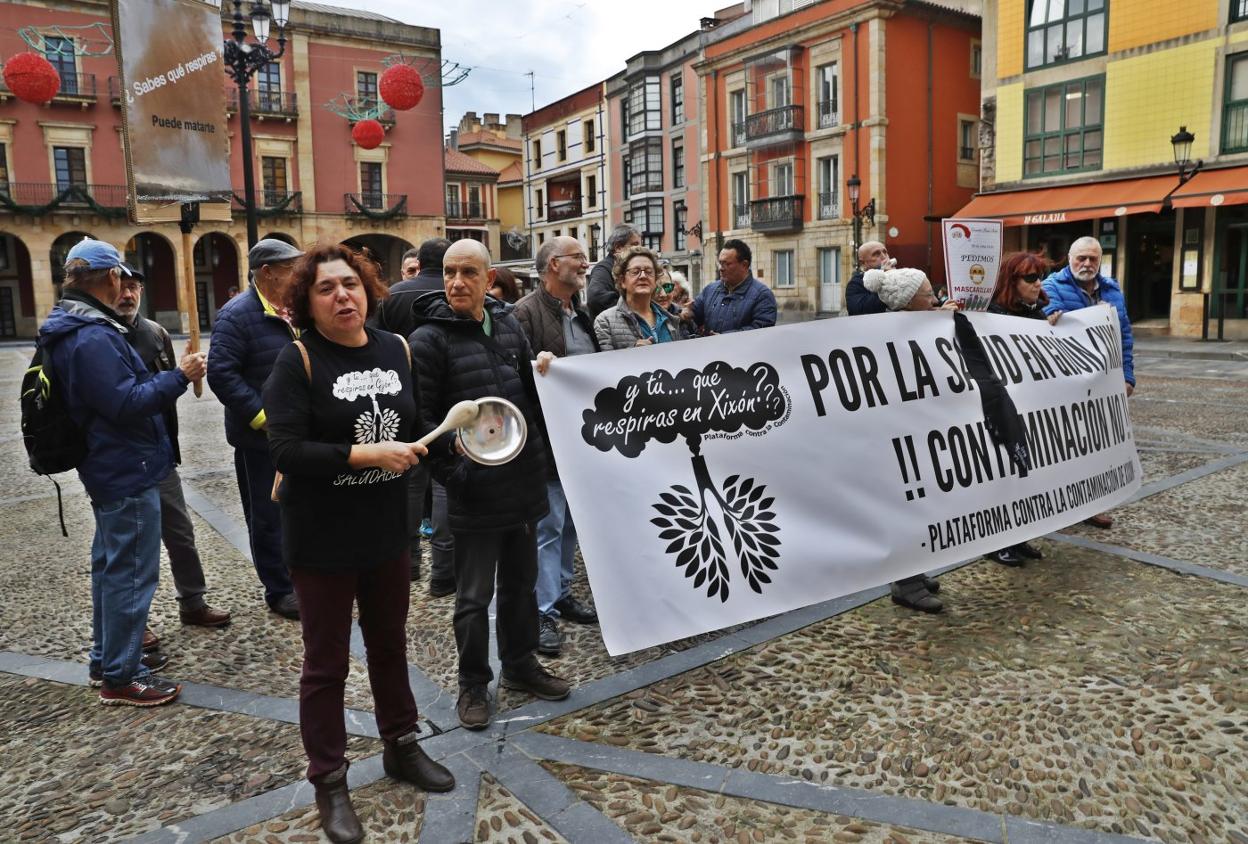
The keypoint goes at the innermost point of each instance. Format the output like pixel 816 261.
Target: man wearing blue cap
pixel 118 403
pixel 251 329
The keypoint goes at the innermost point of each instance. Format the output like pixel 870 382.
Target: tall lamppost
pixel 242 60
pixel 867 212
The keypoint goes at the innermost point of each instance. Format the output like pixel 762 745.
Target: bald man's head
pixel 466 276
pixel 872 255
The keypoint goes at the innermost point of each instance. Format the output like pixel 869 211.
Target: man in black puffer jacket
pixel 468 346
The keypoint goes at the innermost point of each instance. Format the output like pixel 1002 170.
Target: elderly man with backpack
pixel 116 404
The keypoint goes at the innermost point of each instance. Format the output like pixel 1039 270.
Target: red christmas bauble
pixel 368 133
pixel 32 78
pixel 401 87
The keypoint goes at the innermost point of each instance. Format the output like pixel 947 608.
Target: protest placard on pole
pixel 972 257
pixel 727 479
pixel 177 143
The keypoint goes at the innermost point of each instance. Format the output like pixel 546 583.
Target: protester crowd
pixel 328 379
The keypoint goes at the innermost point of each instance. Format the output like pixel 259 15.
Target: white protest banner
pixel 726 479
pixel 972 256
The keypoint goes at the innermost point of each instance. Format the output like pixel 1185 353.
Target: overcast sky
pixel 568 44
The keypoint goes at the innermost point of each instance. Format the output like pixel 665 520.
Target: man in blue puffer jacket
pixel 117 403
pixel 249 333
pixel 1080 285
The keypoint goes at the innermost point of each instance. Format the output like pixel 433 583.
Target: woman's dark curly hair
pixel 299 294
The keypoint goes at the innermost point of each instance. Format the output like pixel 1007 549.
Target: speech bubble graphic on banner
pixel 659 407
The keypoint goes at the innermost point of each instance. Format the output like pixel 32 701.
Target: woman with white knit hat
pixel 908 289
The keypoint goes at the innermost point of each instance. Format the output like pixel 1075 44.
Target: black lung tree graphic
pixel 698 524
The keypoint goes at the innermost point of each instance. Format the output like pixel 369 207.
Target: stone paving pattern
pixel 1085 690
pixel 654 811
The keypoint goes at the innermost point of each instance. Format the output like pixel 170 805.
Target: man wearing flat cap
pixel 118 404
pixel 251 329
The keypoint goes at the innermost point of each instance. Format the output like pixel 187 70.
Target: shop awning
pixel 1040 206
pixel 1211 188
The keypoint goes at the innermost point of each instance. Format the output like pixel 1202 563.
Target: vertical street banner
pixel 171 58
pixel 727 479
pixel 972 258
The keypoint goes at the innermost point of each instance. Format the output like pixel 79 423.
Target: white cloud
pixel 568 44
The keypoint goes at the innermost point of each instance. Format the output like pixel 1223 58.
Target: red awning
pixel 1211 188
pixel 1085 201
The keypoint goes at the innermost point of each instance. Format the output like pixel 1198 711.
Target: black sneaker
pixel 473 708
pixel 287 606
pixel 1029 551
pixel 537 681
pixel 145 691
pixel 441 588
pixel 1007 557
pixel 912 593
pixel 574 611
pixel 153 662
pixel 549 639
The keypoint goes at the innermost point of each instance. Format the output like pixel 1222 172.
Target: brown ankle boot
pixel 333 801
pixel 406 760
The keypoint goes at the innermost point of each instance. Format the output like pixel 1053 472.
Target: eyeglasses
pixel 580 256
pixel 1030 278
pixel 639 272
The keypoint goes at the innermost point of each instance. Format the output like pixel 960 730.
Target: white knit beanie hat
pixel 894 287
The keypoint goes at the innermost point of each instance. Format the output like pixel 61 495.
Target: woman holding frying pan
pixel 341 405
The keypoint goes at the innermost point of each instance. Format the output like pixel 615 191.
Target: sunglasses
pixel 669 287
pixel 1030 278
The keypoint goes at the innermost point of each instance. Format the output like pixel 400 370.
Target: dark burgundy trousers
pixel 325 600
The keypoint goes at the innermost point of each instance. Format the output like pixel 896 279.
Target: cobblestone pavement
pixel 1100 694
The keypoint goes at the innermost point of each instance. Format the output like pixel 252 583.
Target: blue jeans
pixel 125 566
pixel 556 549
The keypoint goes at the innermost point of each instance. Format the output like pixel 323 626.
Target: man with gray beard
pixel 177 532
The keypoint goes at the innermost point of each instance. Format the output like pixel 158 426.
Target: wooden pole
pixel 190 216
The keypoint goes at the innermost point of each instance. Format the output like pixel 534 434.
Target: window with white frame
pixel 784 268
pixel 737 112
pixel 645 168
pixel 678 98
pixel 829 279
pixel 741 199
pixel 781 179
pixel 780 92
pixel 828 169
pixel 644 106
pixel 828 103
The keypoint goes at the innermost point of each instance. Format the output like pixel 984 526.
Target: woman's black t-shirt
pixel 333 516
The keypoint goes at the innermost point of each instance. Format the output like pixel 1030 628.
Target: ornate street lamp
pixel 1182 142
pixel 242 60
pixel 867 212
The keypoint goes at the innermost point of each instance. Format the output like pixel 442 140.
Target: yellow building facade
pixel 1083 101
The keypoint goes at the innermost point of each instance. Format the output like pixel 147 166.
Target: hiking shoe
pixel 576 612
pixel 1007 557
pixel 287 606
pixel 1100 520
pixel 150 640
pixel 549 639
pixel 441 588
pixel 426 528
pixel 143 691
pixel 473 708
pixel 153 662
pixel 205 616
pixel 912 593
pixel 932 584
pixel 537 681
pixel 1029 551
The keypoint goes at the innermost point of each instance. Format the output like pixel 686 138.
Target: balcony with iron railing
pixel 114 91
pixel 564 210
pixel 777 214
pixel 1235 127
pixel 271 203
pixel 372 204
pixel 76 89
pixel 465 211
pixel 274 104
pixel 829 206
pixel 738 134
pixel 827 114
pixel 785 124
pixel 36 199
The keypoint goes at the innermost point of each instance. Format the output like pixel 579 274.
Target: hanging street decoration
pixel 31 78
pixel 368 134
pixel 354 109
pixel 401 87
pixel 93 39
